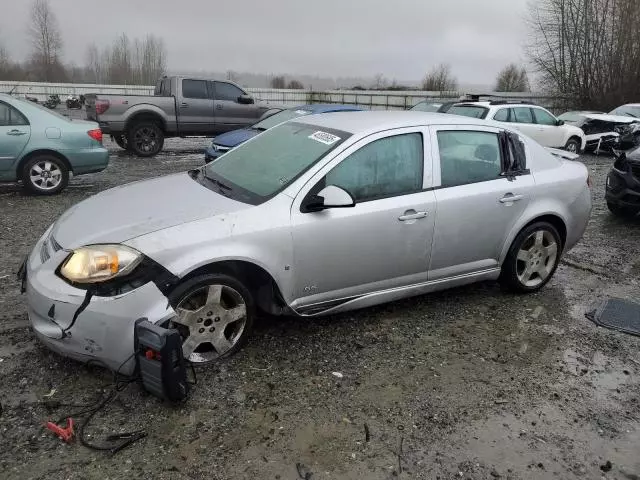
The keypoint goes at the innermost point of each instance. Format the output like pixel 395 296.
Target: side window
pixel 194 89
pixel 226 91
pixel 543 117
pixel 522 115
pixel 468 157
pixel 383 168
pixel 502 115
pixel 9 116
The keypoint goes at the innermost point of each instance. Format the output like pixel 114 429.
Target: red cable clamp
pixel 64 434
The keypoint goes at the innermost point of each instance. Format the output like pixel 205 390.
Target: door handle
pixel 16 133
pixel 184 105
pixel 412 216
pixel 218 107
pixel 510 198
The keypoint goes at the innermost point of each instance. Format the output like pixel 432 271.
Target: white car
pixel 532 120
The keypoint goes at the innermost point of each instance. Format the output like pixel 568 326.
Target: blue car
pixel 225 142
pixel 42 148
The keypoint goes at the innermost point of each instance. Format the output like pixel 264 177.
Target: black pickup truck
pixel 179 107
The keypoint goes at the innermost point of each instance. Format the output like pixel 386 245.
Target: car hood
pixel 235 137
pixel 126 212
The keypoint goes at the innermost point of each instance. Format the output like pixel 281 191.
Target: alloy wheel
pixel 146 139
pixel 536 258
pixel 211 320
pixel 45 175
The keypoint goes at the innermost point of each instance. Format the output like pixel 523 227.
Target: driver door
pixel 384 241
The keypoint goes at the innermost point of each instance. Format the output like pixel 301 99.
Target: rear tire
pixel 121 140
pixel 573 145
pixel 145 139
pixel 532 259
pixel 622 212
pixel 45 175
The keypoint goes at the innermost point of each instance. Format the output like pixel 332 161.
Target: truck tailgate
pixel 90 107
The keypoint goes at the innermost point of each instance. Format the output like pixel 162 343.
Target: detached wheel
pixel 532 259
pixel 622 212
pixel 145 139
pixel 215 315
pixel 121 140
pixel 45 175
pixel 573 145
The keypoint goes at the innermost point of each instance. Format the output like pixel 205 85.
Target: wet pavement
pixel 471 383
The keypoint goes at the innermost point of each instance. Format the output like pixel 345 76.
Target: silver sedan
pixel 316 216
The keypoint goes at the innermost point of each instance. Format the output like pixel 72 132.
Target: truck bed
pixel 123 107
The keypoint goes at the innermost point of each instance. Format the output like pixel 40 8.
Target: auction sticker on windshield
pixel 324 137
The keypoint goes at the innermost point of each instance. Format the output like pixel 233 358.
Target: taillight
pixel 96 134
pixel 589 180
pixel 102 106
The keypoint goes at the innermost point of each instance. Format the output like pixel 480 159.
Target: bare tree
pixel 46 40
pixel 120 61
pixel 587 50
pixel 512 79
pixel 440 79
pixel 295 85
pixel 94 64
pixel 379 82
pixel 278 82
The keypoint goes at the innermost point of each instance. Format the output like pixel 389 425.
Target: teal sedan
pixel 42 149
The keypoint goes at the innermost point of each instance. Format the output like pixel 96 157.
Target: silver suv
pixel 319 215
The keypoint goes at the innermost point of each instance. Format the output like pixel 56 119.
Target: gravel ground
pixel 470 383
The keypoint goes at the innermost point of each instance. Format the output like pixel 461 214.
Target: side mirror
pixel 559 123
pixel 245 100
pixel 329 197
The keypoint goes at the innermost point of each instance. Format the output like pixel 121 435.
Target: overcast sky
pixel 400 38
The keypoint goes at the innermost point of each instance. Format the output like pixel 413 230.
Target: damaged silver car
pixel 316 216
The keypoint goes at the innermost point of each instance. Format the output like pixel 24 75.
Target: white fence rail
pixel 368 99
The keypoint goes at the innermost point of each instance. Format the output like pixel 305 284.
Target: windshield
pixel 472 111
pixel 426 107
pixel 627 110
pixel 262 167
pixel 280 117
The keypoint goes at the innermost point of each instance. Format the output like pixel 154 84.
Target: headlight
pixel 99 263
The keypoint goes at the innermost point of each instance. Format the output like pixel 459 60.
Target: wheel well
pixel 36 153
pixel 145 117
pixel 554 220
pixel 577 139
pixel 260 283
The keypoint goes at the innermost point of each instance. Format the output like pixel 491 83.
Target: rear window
pixel 427 107
pixel 473 111
pixel 194 89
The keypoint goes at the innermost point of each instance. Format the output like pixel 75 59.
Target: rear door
pixel 549 131
pixel 522 119
pixel 477 205
pixel 230 113
pixel 15 132
pixel 195 107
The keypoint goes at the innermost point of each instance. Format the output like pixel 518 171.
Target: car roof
pixel 327 107
pixel 366 122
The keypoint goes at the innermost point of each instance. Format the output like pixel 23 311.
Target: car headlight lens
pixel 99 263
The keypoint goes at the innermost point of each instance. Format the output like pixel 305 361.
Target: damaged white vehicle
pixel 319 215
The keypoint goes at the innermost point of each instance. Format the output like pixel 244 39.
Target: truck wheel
pixel 145 139
pixel 45 175
pixel 121 140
